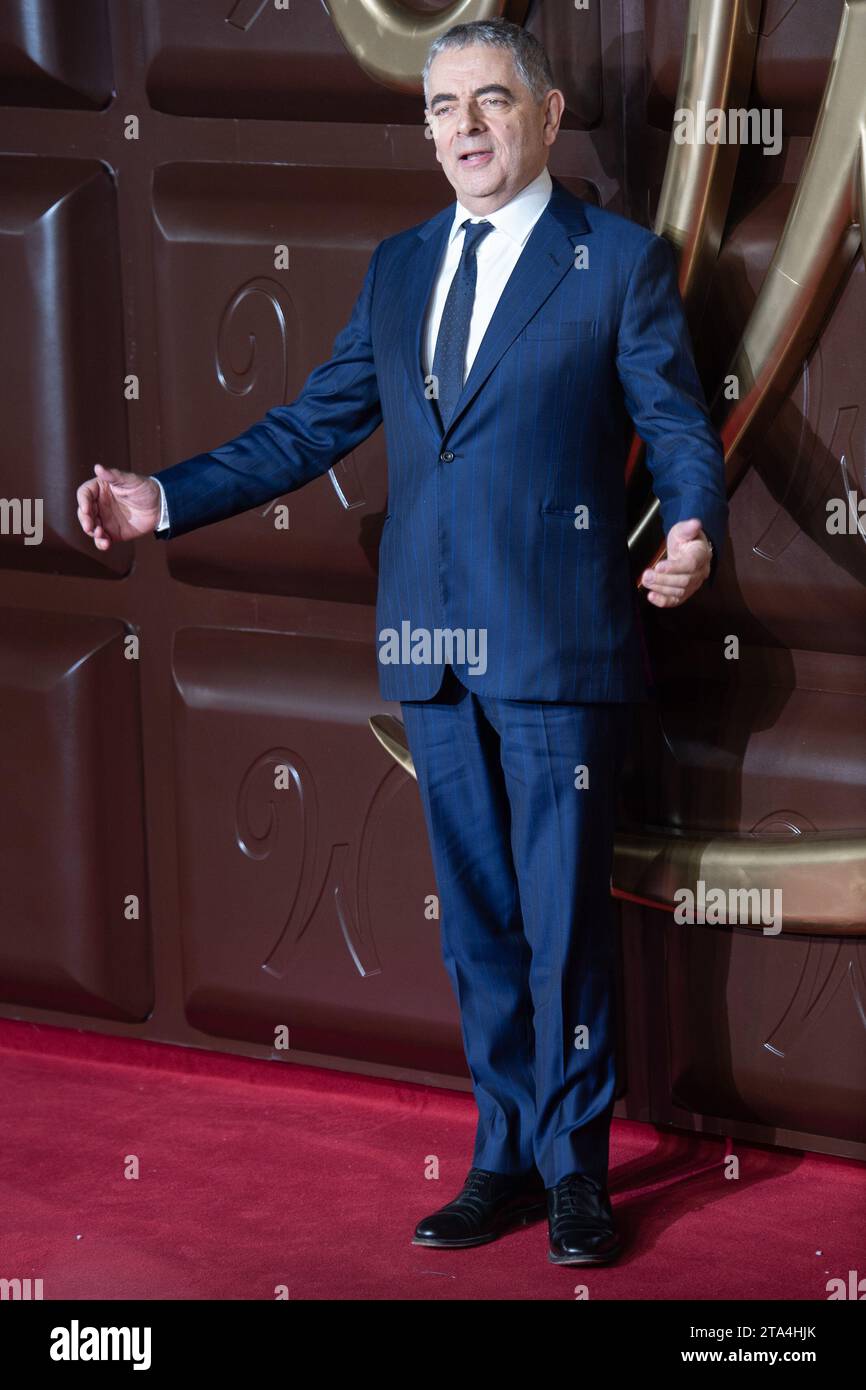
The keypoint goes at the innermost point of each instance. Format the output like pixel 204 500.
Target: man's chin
pixel 483 183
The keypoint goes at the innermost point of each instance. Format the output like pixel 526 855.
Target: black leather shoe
pixel 488 1205
pixel 580 1221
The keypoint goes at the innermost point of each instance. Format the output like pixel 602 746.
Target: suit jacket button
pixel 446 456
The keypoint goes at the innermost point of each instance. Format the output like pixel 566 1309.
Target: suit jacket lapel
pixel 416 289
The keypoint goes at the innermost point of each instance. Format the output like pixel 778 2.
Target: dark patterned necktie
pixel 449 360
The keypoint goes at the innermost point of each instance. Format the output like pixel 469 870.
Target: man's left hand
pixel 684 569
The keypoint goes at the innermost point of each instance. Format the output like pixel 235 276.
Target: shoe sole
pixel 585 1259
pixel 512 1222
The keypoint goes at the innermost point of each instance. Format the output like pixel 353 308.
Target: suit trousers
pixel 520 801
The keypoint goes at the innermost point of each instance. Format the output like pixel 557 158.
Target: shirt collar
pixel 516 218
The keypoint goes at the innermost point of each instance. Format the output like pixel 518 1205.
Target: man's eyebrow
pixel 479 92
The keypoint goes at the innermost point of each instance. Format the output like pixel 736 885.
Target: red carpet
pixel 256 1174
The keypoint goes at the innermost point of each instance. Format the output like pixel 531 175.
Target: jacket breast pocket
pixel 566 331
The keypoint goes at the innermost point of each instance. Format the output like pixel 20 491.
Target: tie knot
pixel 475 232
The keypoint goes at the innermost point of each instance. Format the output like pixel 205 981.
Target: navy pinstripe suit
pixel 480 535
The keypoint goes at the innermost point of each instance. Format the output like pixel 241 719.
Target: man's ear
pixel 553 118
pixel 429 121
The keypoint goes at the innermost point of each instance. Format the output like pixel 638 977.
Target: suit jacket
pixel 480 534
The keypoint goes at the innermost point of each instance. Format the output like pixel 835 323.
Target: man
pixel 504 344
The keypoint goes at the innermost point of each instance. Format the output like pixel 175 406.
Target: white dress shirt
pixel 496 257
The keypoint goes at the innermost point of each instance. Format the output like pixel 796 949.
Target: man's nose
pixel 469 120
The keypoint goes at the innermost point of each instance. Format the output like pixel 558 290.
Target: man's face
pixel 491 137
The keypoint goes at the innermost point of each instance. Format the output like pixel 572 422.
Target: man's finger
pixel 682 576
pixel 107 478
pixel 687 548
pixel 684 562
pixel 87 494
pixel 668 590
pixel 653 579
pixel 88 508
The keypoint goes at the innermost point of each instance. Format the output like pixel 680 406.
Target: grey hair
pixel 531 63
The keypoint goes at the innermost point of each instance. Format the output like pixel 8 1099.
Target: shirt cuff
pixel 164 521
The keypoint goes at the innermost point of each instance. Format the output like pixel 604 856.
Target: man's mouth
pixel 475 158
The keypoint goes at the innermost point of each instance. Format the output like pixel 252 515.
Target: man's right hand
pixel 117 506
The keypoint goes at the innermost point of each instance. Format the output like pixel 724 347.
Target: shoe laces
pixel 477 1180
pixel 475 1190
pixel 579 1195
